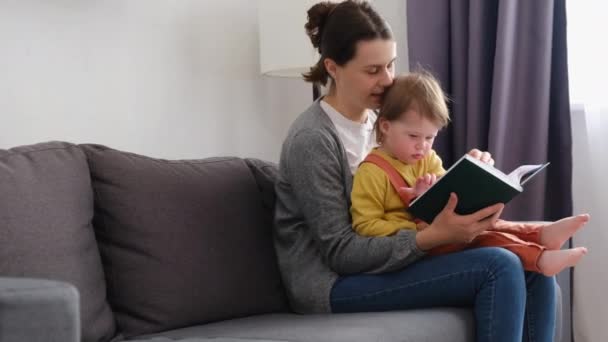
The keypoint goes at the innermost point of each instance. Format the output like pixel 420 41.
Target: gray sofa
pixel 102 245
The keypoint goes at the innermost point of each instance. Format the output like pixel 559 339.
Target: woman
pixel 326 266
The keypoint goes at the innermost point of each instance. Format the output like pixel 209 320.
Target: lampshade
pixel 285 49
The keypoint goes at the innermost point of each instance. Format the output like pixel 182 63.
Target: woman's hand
pixel 420 226
pixel 449 227
pixel 485 156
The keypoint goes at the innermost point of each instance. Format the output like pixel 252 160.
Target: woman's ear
pixel 331 67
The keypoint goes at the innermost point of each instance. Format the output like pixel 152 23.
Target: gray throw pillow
pixel 46 212
pixel 182 242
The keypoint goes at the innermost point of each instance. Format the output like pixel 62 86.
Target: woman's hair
pixel 419 91
pixel 335 28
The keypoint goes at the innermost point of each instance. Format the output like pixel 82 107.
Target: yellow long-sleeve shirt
pixel 377 209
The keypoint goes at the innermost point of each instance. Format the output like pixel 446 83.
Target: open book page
pixel 525 172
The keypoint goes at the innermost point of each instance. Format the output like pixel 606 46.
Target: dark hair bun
pixel 317 17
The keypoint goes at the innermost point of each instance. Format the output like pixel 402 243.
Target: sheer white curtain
pixel 588 73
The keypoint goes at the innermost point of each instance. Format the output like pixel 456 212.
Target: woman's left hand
pixel 420 226
pixel 484 156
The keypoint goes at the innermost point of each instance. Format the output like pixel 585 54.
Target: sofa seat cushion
pixel 46 213
pixel 212 339
pixel 183 242
pixel 441 324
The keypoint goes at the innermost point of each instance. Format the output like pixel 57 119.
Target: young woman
pixel 325 265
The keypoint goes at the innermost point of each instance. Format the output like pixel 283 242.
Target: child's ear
pixel 384 125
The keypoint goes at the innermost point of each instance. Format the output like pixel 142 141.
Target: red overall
pixel 523 239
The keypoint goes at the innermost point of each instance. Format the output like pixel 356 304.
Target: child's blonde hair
pixel 416 90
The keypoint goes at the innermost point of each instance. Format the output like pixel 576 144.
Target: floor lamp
pixel 285 49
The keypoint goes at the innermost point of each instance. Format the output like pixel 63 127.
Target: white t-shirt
pixel 358 138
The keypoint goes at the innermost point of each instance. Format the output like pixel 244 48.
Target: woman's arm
pixel 314 169
pixel 449 227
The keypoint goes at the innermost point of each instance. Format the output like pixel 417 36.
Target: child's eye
pixel 372 71
pixel 413 136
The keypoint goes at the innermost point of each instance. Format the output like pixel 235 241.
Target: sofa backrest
pixel 46 209
pixel 184 242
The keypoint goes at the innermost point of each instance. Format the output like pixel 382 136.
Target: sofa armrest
pixel 38 310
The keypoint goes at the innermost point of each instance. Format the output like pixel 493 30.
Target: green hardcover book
pixel 477 186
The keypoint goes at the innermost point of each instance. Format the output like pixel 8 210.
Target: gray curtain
pixel 504 66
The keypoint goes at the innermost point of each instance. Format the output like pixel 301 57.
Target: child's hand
pixel 408 192
pixel 423 183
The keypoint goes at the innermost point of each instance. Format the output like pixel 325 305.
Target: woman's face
pixel 361 82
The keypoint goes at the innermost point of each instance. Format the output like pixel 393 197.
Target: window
pixel 587 53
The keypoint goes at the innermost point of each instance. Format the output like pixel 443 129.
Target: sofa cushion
pixel 46 211
pixel 202 339
pixel 265 174
pixel 182 242
pixel 440 324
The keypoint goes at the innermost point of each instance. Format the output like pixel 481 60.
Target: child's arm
pixel 432 171
pixel 370 187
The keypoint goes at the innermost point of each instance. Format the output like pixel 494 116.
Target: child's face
pixel 410 138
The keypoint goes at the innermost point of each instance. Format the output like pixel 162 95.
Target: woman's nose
pixel 386 78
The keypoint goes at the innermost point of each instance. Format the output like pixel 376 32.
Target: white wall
pixel 587 74
pixel 172 79
pixel 590 186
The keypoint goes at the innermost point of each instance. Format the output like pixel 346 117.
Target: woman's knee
pixel 504 263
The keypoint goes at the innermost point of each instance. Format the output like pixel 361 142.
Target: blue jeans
pixel 509 304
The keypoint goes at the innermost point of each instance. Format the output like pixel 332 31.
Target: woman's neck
pixel 349 112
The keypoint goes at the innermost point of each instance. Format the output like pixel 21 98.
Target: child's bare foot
pixel 551 263
pixel 553 235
